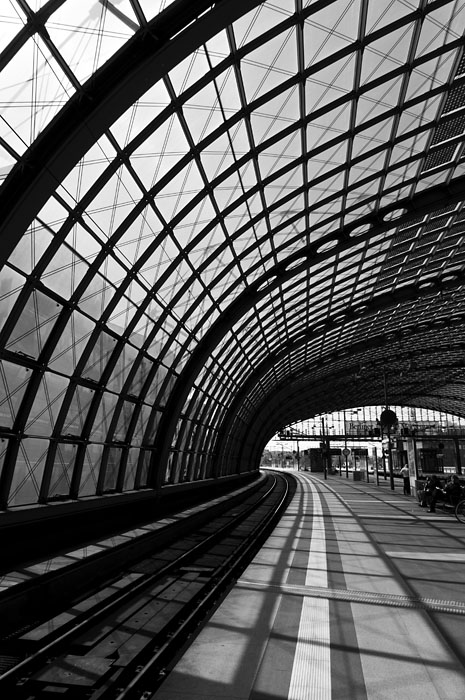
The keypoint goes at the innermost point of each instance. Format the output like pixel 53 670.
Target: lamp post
pixel 388 420
pixel 346 451
pixel 354 427
pixel 325 450
pixel 298 455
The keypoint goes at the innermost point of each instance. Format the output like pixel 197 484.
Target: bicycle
pixel 460 511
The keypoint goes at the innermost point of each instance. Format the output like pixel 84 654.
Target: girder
pixel 212 215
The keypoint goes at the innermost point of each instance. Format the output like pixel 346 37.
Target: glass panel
pixel 171 476
pixel 62 472
pixel 34 325
pixel 103 418
pixel 32 84
pixel 90 470
pixel 202 112
pixel 87 34
pixel 131 469
pixel 82 177
pixel 28 472
pixel 64 272
pixel 175 195
pixel 188 71
pixel 71 343
pixel 122 368
pixel 385 54
pixel 112 468
pixel 140 377
pixel 152 427
pixel 165 146
pixel 145 468
pixel 46 404
pixel 95 297
pixel 3 449
pixel 13 384
pixel 330 30
pixel 124 420
pixel 272 203
pixel 152 8
pixel 142 422
pixel 77 414
pixel 269 65
pixel 30 248
pixel 12 24
pixel 101 352
pixel 265 17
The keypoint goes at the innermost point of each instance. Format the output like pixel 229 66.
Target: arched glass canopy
pixel 217 219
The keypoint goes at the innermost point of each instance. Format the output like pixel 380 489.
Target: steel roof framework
pixel 220 218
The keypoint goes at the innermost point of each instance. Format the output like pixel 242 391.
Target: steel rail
pixel 225 573
pixel 91 618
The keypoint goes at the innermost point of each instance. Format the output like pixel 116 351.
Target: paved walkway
pixel 358 594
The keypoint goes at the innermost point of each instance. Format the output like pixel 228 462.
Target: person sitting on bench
pixel 431 484
pixel 451 493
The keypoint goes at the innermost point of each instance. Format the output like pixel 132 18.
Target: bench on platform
pixel 444 501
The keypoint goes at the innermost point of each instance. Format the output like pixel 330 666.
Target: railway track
pixel 120 640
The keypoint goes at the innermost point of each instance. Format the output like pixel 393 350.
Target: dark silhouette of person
pixel 432 483
pixel 451 493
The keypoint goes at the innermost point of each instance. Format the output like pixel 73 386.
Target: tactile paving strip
pixel 453 607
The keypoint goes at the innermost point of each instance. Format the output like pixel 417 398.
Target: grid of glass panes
pixel 274 134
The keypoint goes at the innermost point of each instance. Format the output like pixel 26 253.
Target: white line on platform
pixel 311 671
pixel 372 516
pixel 401 502
pixel 369 500
pixel 426 518
pixel 429 556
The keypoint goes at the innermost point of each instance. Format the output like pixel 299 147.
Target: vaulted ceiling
pixel 219 218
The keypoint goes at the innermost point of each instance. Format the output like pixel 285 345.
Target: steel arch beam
pixel 144 59
pixel 422 204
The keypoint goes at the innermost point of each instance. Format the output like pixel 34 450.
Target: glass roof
pixel 216 217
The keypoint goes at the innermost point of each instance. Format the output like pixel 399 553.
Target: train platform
pixel 358 594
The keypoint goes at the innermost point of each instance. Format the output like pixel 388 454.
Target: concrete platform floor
pixel 358 594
